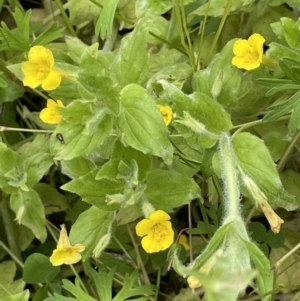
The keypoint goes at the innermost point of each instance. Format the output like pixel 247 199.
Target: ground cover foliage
pixel 149 150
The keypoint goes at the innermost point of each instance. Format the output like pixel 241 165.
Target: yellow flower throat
pixel 160 232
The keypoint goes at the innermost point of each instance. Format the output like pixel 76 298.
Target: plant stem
pixel 12 255
pixel 66 18
pixel 8 226
pixel 217 35
pixel 287 255
pixel 229 176
pixel 287 152
pixel 247 125
pixel 6 128
pixel 139 258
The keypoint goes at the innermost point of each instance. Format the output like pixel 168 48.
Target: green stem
pixel 126 253
pixel 247 125
pixel 11 254
pixel 202 34
pixel 183 31
pixel 8 226
pixel 158 283
pixel 66 18
pixel 287 152
pixel 217 35
pixel 171 27
pixel 6 128
pixel 139 258
pixel 229 176
pixel 205 218
pixel 286 256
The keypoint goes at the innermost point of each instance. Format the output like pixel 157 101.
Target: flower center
pixel 43 71
pixel 160 232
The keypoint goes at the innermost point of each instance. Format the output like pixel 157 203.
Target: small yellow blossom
pixel 50 114
pixel 184 242
pixel 167 113
pixel 194 282
pixel 65 253
pixel 40 70
pixel 248 53
pixel 156 231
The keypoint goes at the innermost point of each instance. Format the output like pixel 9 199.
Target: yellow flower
pixel 248 53
pixel 167 113
pixel 50 114
pixel 40 70
pixel 157 231
pixel 184 242
pixel 65 253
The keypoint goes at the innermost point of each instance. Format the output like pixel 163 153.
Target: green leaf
pixel 216 8
pixel 41 294
pixel 90 227
pixel 9 286
pixel 216 241
pixel 37 166
pixel 127 154
pixel 83 11
pixel 257 231
pixel 202 109
pixel 77 167
pixel 275 240
pixel 256 161
pixel 129 289
pixel 152 7
pixel 30 212
pixel 11 90
pixel 95 191
pixel 131 63
pixel 23 296
pixel 287 30
pixel 12 174
pixel 75 290
pixel 294 124
pixel 48 35
pixel 168 189
pixel 261 263
pixel 220 80
pixel 290 180
pixel 141 124
pixel 104 25
pixel 38 269
pixel 51 198
pixel 75 142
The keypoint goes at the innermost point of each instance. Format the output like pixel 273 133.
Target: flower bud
pixel 260 198
pixel 147 208
pixel 193 282
pixel 101 245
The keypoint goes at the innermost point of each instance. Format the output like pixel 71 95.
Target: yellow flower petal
pixel 50 114
pixel 159 216
pixel 52 81
pixel 157 230
pixel 167 113
pixel 248 53
pixel 144 227
pixel 39 69
pixel 241 48
pixel 183 240
pixel 150 245
pixel 38 54
pixel 65 253
pixel 243 63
